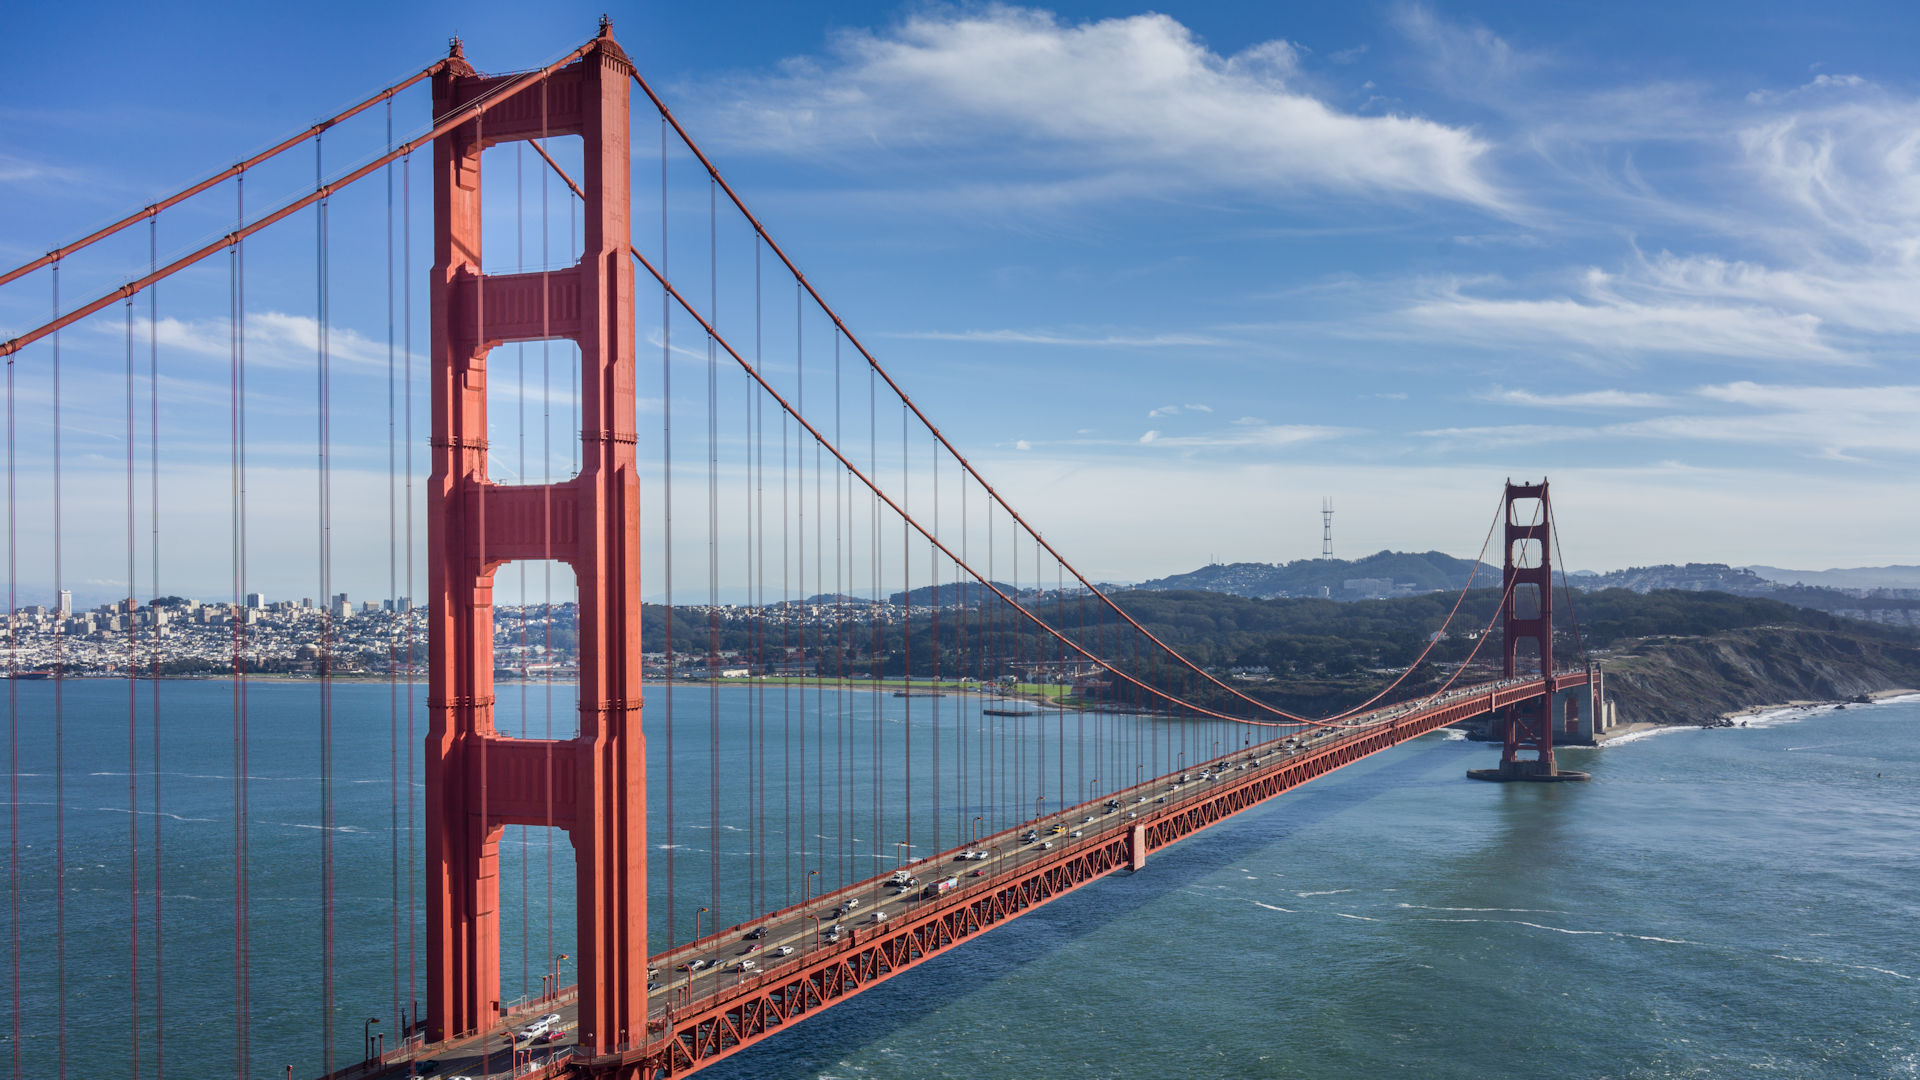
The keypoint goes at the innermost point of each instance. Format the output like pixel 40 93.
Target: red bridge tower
pixel 1526 624
pixel 477 781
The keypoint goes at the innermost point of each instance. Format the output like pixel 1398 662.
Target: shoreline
pixel 1642 729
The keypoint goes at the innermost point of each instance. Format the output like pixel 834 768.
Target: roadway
pixel 678 991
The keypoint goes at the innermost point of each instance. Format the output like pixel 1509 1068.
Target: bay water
pixel 1732 902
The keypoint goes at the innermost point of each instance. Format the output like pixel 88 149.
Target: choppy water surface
pixel 1715 903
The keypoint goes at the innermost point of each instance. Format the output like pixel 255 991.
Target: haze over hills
pixel 1382 574
pixel 1860 577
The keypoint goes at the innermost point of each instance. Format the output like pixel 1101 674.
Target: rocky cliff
pixel 1694 679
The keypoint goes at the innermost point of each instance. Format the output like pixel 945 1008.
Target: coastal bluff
pixel 1691 680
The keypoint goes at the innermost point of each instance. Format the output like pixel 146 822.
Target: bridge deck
pixel 702 1017
pixel 699 1017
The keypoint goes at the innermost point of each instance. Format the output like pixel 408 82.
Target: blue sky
pixel 1168 276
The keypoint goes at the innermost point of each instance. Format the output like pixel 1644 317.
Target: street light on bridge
pixel 366 1037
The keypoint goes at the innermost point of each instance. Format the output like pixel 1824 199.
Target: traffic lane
pixel 488 1053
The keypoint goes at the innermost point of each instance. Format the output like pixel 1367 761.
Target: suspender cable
pixel 236 321
pixel 323 440
pixel 133 747
pixel 59 723
pixel 520 403
pixel 666 484
pixel 13 737
pixel 406 307
pixel 546 526
pixel 153 647
pixel 393 623
pixel 713 565
pixel 906 625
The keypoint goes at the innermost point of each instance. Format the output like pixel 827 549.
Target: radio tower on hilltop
pixel 1326 527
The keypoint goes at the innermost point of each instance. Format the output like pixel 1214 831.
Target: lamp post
pixel 806 892
pixel 815 939
pixel 976 828
pixel 556 972
pixel 690 959
pixel 900 853
pixel 1039 805
pixel 366 1037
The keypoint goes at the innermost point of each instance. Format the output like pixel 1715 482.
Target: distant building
pixel 256 601
pixel 65 604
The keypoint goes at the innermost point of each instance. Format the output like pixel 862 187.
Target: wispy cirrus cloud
pixel 272 338
pixel 1586 399
pixel 1175 410
pixel 1245 436
pixel 1120 106
pixel 1050 337
pixel 1602 320
pixel 1832 422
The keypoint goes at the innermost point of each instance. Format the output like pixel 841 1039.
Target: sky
pixel 1168 276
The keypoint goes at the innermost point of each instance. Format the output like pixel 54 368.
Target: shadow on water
pixel 873 1015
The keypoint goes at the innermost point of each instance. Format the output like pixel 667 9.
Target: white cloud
pixel 1249 436
pixel 1606 322
pixel 1044 337
pixel 1134 105
pixel 1588 399
pixel 1833 422
pixel 273 339
pixel 1022 444
pixel 1466 61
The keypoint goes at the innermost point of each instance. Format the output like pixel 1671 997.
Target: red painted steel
pixel 1527 615
pixel 478 781
pixel 685 1039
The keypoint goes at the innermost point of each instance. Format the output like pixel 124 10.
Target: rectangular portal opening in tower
pixel 1528 553
pixel 537 917
pixel 536 650
pixel 1526 511
pixel 533 412
pixel 1526 658
pixel 530 218
pixel 1525 602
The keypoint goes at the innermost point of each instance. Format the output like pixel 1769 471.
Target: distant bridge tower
pixel 1326 527
pixel 477 781
pixel 1526 625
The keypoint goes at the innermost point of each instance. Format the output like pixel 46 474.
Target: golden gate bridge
pixel 809 507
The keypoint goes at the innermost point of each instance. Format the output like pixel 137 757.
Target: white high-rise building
pixel 66 603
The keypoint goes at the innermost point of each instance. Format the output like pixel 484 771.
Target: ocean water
pixel 1715 903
